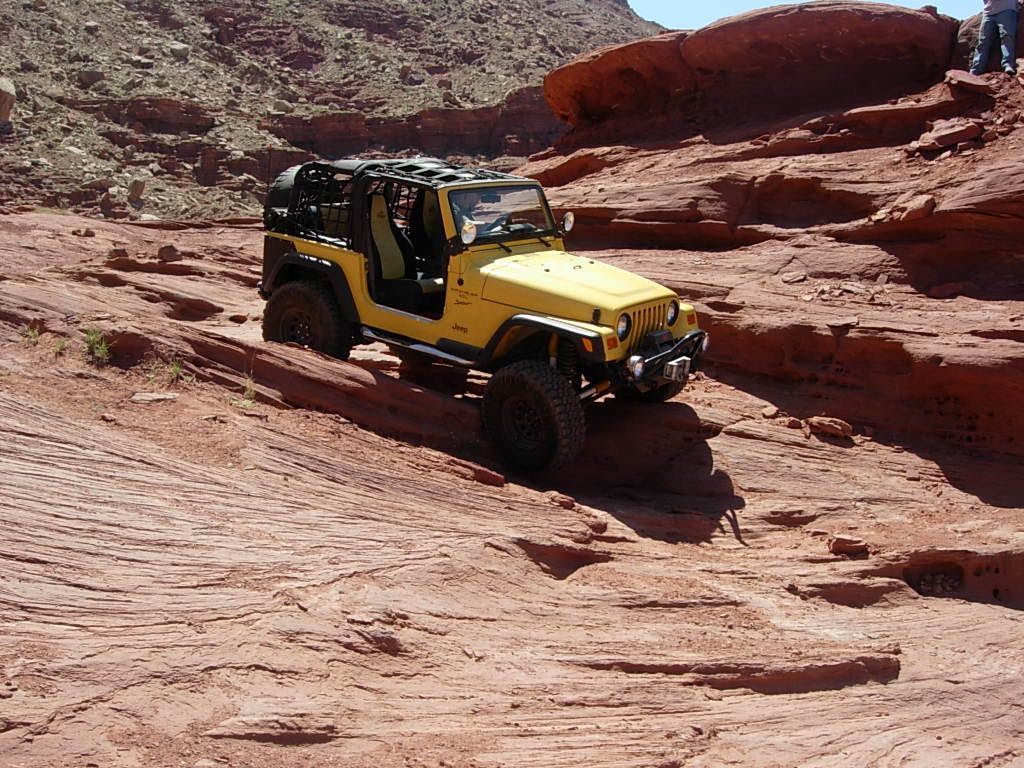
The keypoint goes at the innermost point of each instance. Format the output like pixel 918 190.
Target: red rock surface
pixel 220 578
pixel 218 551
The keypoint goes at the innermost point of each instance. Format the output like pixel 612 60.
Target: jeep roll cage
pixel 320 201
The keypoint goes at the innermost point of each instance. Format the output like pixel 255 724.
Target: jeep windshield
pixel 502 212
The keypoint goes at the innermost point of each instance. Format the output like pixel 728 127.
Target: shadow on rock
pixel 651 467
pixel 950 255
pixel 949 433
pixel 993 479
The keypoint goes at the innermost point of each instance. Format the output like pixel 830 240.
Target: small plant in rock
pixel 176 373
pixel 97 348
pixel 248 398
pixel 169 372
pixel 31 334
pixel 59 347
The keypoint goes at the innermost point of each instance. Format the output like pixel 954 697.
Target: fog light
pixel 636 366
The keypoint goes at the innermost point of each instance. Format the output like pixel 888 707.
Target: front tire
pixel 304 312
pixel 533 415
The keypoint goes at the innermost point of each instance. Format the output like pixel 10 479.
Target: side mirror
pixel 568 221
pixel 468 233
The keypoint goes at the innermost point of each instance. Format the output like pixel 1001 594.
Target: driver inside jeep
pixel 464 205
pixel 501 211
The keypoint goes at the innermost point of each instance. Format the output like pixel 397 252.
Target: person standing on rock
pixel 999 16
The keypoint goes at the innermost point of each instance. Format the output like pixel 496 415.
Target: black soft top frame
pixel 318 200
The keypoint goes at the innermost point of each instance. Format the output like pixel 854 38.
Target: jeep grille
pixel 645 320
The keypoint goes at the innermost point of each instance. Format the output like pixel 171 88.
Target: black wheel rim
pixel 523 423
pixel 299 327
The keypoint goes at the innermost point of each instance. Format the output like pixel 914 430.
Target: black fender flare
pixel 551 325
pixel 322 269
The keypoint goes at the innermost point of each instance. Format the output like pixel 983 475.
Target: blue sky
pixel 687 14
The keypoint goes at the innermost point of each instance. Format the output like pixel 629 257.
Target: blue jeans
pixel 1005 23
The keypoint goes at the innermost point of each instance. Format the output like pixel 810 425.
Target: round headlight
pixel 623 326
pixel 705 342
pixel 568 221
pixel 673 313
pixel 468 232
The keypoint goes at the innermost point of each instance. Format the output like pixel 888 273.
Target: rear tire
pixel 304 312
pixel 533 415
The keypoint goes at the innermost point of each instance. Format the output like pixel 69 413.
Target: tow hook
pixel 678 369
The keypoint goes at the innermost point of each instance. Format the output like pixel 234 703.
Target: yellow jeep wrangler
pixel 468 267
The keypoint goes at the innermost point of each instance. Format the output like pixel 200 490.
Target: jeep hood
pixel 563 285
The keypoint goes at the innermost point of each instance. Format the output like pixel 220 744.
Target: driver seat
pixel 394 267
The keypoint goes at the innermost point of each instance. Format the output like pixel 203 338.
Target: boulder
pixel 8 95
pixel 827 425
pixel 168 253
pixel 835 54
pixel 180 51
pixel 136 189
pixel 915 207
pixel 413 78
pixel 959 78
pixel 847 546
pixel 948 133
pixel 89 77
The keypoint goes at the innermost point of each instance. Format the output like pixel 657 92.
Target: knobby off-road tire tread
pixel 563 404
pixel 337 338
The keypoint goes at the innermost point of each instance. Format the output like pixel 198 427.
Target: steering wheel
pixel 498 223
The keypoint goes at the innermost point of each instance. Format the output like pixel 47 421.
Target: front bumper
pixel 656 364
